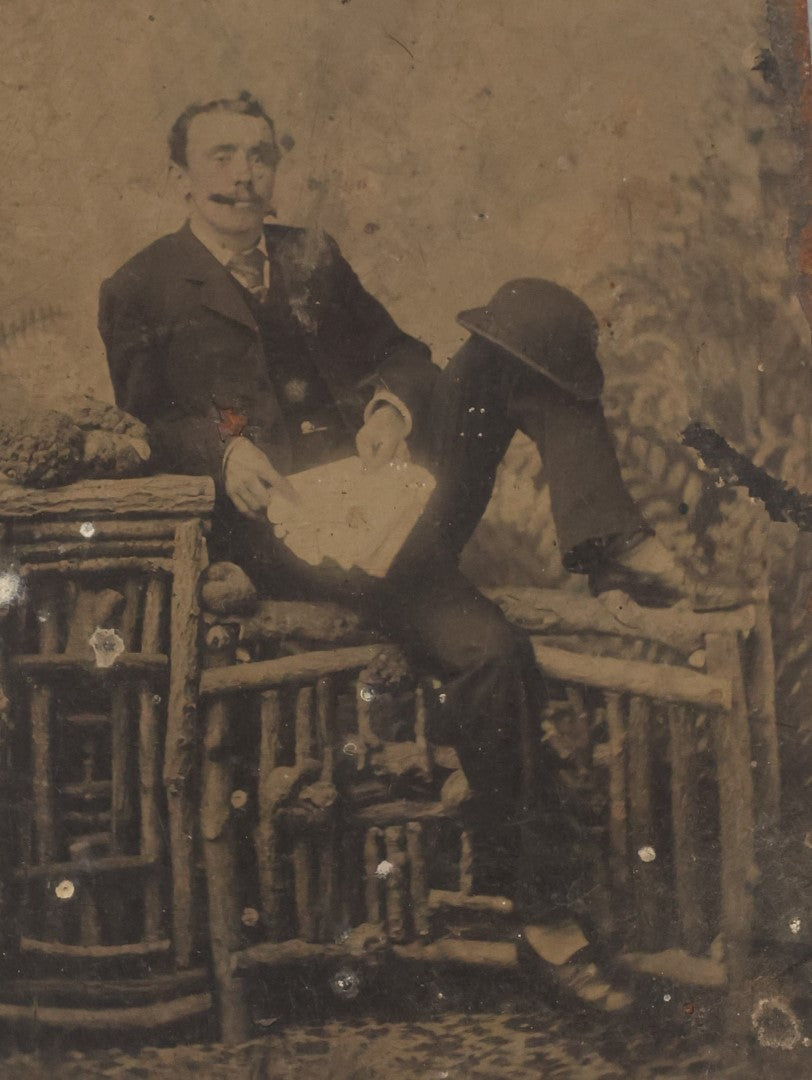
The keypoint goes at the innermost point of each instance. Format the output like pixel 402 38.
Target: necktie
pixel 248 267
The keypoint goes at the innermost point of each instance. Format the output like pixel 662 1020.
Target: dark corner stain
pixel 781 502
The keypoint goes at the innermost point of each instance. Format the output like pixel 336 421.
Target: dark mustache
pixel 230 200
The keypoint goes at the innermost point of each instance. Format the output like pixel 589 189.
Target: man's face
pixel 230 170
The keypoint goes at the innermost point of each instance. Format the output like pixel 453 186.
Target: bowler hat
pixel 547 327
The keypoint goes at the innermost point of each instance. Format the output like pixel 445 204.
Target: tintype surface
pixel 405 459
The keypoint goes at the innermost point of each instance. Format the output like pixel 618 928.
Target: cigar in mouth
pixel 230 200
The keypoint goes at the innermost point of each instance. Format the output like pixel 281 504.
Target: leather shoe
pixel 568 965
pixel 646 589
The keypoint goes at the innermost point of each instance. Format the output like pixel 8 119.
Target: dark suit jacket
pixel 183 346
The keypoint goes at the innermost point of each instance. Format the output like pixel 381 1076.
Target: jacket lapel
pixel 218 292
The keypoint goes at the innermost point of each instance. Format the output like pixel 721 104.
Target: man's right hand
pixel 249 476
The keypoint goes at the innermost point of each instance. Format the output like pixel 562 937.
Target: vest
pixel 316 429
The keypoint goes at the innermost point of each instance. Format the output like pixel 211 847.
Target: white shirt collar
pixel 212 243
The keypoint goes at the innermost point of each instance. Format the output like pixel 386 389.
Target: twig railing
pixel 649 709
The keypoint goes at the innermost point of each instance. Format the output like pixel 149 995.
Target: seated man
pixel 252 351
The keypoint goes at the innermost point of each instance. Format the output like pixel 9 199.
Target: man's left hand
pixel 382 438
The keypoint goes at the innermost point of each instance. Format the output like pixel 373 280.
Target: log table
pixel 100 669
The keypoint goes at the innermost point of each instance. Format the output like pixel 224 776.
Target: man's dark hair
pixel 245 104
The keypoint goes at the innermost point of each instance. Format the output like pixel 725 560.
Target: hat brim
pixel 476 321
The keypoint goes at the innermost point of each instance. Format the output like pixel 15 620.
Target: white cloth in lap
pixel 350 514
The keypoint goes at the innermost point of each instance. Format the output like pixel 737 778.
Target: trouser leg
pixel 469 431
pixel 590 503
pixel 493 688
pixel 483 396
pixel 491 714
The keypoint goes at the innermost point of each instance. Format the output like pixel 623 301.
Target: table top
pixel 163 495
